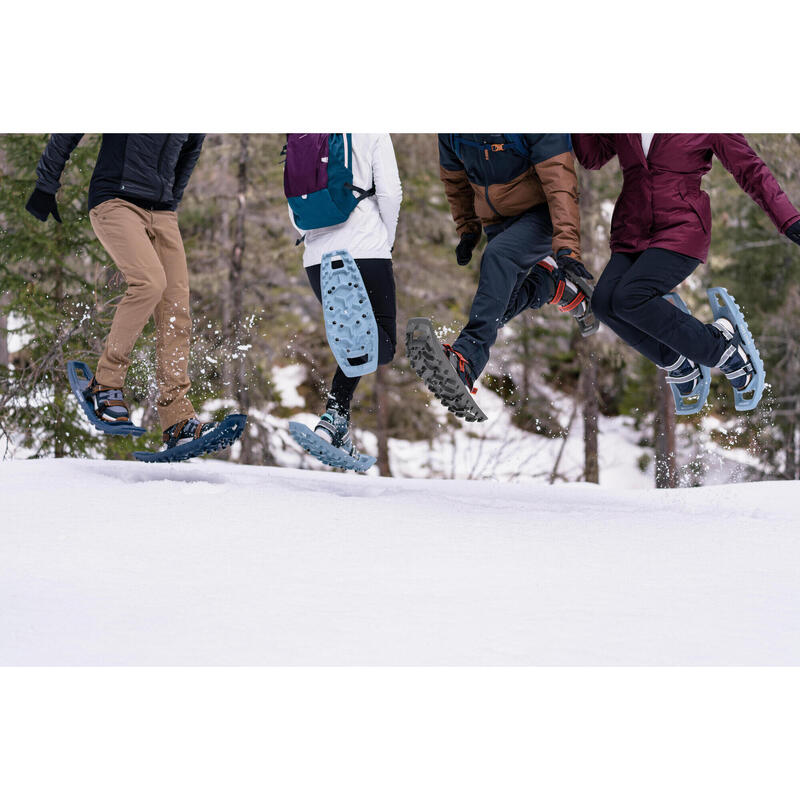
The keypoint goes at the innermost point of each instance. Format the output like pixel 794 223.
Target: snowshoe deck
pixel 434 368
pixel 349 320
pixel 692 403
pixel 325 451
pixel 80 376
pixel 723 305
pixel 224 435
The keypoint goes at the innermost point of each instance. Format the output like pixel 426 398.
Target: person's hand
pixel 466 246
pixel 42 204
pixel 566 260
pixel 793 232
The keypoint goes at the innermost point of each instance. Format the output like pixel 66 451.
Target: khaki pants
pixel 147 248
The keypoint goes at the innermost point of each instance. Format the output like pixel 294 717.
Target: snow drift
pixel 212 563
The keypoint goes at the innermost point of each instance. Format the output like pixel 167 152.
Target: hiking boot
pixel 461 366
pixel 573 295
pixel 108 403
pixel 735 364
pixel 334 428
pixel 187 430
pixel 684 374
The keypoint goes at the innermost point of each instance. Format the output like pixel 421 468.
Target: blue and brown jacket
pixel 490 177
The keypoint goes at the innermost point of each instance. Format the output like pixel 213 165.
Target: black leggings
pixel 629 299
pixel 379 283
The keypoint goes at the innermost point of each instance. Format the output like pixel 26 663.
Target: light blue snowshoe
pixel 746 374
pixel 330 442
pixel 349 320
pixel 690 383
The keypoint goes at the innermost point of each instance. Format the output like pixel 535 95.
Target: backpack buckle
pixel 498 148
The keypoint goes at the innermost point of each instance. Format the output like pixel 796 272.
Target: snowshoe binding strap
pixel 462 367
pixel 734 363
pixel 105 401
pixel 572 295
pixel 186 430
pixel 685 374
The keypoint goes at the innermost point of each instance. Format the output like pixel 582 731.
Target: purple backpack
pixel 318 179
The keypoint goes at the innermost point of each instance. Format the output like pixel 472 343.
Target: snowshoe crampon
pixel 724 306
pixel 694 402
pixel 325 452
pixel 80 376
pixel 429 361
pixel 349 320
pixel 224 435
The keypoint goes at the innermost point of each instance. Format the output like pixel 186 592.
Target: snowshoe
pixel 328 445
pixel 192 438
pixel 433 363
pixel 741 363
pixel 104 407
pixel 689 382
pixel 349 320
pixel 573 295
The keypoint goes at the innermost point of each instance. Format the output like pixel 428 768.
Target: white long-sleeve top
pixel 369 231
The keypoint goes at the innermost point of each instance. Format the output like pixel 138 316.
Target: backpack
pixel 318 179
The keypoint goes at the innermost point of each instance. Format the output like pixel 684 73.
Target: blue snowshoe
pixel 330 441
pixel 690 383
pixel 191 438
pixel 349 320
pixel 741 362
pixel 104 407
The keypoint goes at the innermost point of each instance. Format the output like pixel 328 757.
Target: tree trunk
pixel 664 435
pixel 382 422
pixel 587 355
pixel 3 336
pixel 590 411
pixel 237 293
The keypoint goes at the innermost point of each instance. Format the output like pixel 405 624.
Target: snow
pixel 112 562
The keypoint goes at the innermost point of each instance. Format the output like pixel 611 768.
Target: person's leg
pixel 378 278
pixel 669 333
pixel 507 260
pixel 342 387
pixel 121 229
pixel 173 322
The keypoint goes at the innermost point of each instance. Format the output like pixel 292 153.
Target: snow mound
pixel 213 563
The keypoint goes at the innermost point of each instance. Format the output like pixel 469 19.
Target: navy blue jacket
pixel 148 168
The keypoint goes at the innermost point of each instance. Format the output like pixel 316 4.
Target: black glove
pixel 466 246
pixel 42 204
pixel 793 232
pixel 566 261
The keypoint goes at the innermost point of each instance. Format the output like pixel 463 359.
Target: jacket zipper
pixel 486 186
pixel 158 166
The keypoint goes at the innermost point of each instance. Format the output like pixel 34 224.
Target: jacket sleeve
pixel 593 149
pixel 753 175
pixel 388 190
pixel 556 171
pixel 54 159
pixel 457 187
pixel 190 152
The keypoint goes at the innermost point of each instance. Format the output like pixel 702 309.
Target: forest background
pixel 254 313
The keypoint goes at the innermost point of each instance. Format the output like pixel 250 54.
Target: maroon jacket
pixel 661 204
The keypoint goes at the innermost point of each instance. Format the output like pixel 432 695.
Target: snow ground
pixel 212 563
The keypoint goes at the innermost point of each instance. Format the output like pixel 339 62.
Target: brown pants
pixel 147 248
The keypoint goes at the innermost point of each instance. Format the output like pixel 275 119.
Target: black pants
pixel 629 299
pixel 379 283
pixel 509 281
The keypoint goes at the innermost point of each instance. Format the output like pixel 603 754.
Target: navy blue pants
pixel 509 281
pixel 629 299
pixel 379 282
